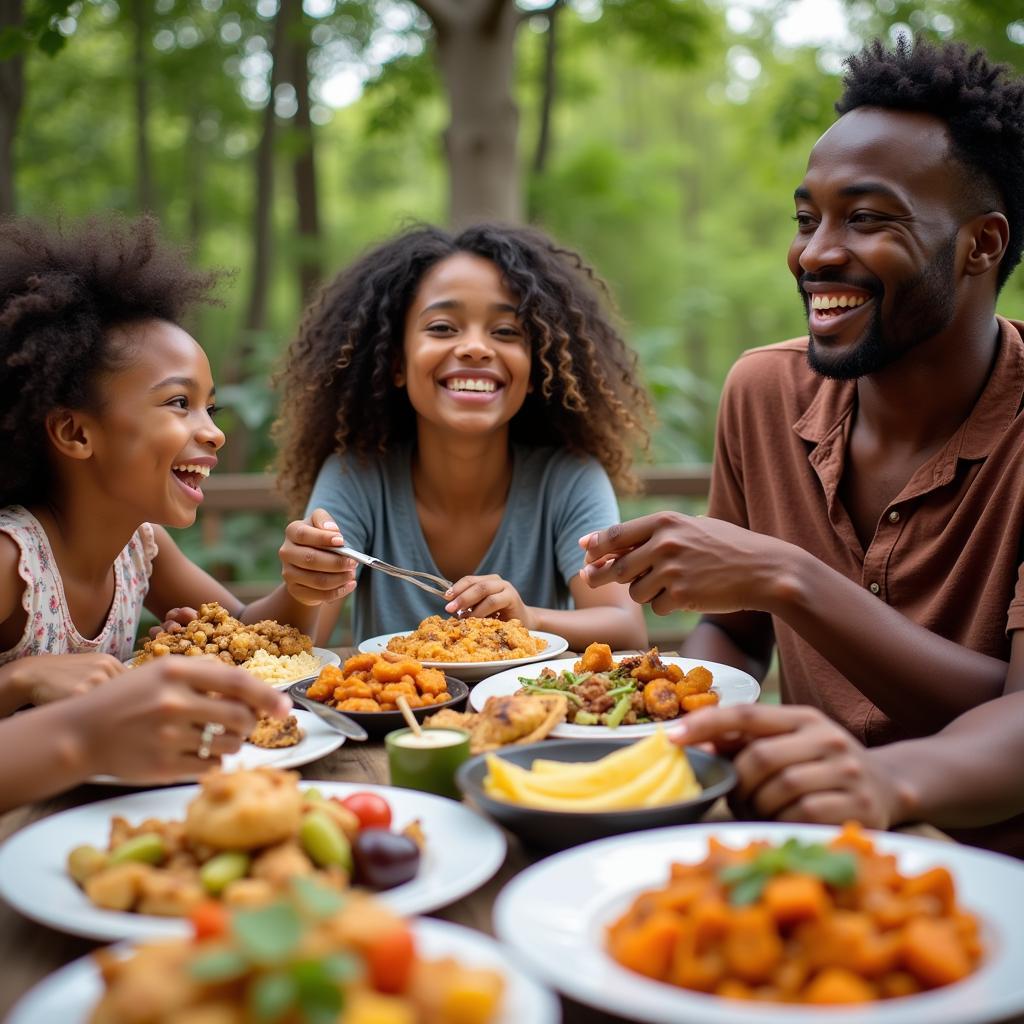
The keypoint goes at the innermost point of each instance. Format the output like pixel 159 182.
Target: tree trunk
pixel 143 163
pixel 477 60
pixel 549 85
pixel 307 202
pixel 194 176
pixel 12 94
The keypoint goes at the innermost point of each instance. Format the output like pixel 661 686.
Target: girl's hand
pixel 43 678
pixel 488 597
pixel 174 621
pixel 148 727
pixel 313 575
pixel 693 563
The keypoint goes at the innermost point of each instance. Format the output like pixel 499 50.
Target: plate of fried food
pixel 772 923
pixel 312 956
pixel 470 648
pixel 299 739
pixel 137 865
pixel 278 654
pixel 628 697
pixel 367 688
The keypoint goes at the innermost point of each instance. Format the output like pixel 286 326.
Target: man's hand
pixel 796 764
pixel 43 678
pixel 312 573
pixel 672 562
pixel 488 596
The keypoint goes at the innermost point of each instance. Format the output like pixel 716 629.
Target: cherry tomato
pixel 389 959
pixel 371 810
pixel 209 920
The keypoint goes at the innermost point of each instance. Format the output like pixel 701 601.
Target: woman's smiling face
pixel 466 356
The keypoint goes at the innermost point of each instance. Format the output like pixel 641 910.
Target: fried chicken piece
pixel 352 689
pixel 359 704
pixel 515 719
pixel 243 810
pixel 279 864
pixel 272 733
pixel 596 658
pixel 358 663
pixel 651 667
pixel 660 700
pixel 699 700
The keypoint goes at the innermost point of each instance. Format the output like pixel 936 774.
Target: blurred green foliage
pixel 678 133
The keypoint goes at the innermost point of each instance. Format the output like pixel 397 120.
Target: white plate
pixel 473 671
pixel 326 658
pixel 68 995
pixel 319 741
pixel 731 685
pixel 463 850
pixel 554 914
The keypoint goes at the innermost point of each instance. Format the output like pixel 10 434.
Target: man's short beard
pixel 923 308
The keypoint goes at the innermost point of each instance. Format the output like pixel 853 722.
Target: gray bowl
pixel 558 830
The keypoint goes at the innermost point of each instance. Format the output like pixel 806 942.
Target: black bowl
pixel 380 723
pixel 558 830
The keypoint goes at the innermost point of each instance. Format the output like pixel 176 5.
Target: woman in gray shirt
pixel 460 405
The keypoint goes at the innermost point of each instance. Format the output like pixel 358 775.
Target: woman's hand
pixel 488 597
pixel 148 726
pixel 44 678
pixel 313 574
pixel 796 764
pixel 693 563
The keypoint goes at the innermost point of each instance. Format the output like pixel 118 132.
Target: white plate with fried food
pixel 731 685
pixel 317 740
pixel 470 671
pixel 280 671
pixel 70 994
pixel 462 850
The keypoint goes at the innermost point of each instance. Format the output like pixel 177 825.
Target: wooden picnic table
pixel 29 951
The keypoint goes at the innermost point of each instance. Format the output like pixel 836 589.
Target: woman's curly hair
pixel 339 393
pixel 61 293
pixel 982 105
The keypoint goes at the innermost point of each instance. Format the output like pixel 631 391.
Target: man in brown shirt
pixel 867 503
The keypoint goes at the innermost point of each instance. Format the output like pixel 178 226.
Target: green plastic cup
pixel 427 762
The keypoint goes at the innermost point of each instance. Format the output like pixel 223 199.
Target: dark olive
pixel 384 859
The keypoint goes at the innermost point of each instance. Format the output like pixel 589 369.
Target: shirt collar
pixel 988 421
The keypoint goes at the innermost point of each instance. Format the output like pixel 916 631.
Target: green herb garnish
pixel 746 881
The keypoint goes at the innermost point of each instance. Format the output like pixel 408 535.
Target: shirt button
pixel 874 588
pixel 894 516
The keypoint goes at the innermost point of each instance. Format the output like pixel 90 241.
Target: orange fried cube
pixel 359 663
pixel 392 671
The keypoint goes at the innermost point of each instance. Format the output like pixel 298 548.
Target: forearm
pixel 621 628
pixel 966 775
pixel 41 753
pixel 282 607
pixel 912 674
pixel 13 691
pixel 713 641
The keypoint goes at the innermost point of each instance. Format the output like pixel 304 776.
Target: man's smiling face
pixel 875 254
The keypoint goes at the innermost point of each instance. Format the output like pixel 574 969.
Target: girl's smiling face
pixel 466 356
pixel 153 440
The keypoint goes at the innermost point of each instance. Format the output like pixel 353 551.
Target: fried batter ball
pixel 244 809
pixel 374 682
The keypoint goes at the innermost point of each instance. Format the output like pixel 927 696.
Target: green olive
pixel 324 841
pixel 220 871
pixel 149 848
pixel 84 861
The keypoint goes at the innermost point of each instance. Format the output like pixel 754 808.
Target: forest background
pixel 662 138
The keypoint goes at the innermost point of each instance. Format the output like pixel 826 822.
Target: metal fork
pixel 436 584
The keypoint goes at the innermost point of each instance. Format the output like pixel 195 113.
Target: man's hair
pixel 981 104
pixel 63 292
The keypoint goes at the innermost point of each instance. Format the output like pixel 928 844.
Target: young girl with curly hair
pixel 461 404
pixel 107 430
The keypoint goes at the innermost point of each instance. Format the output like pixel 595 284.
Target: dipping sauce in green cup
pixel 428 761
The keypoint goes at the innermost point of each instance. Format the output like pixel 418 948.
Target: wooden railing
pixel 230 493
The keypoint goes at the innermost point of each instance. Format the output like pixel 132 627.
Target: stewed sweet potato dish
pixel 800 923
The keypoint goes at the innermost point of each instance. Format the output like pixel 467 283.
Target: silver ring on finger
pixel 210 731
